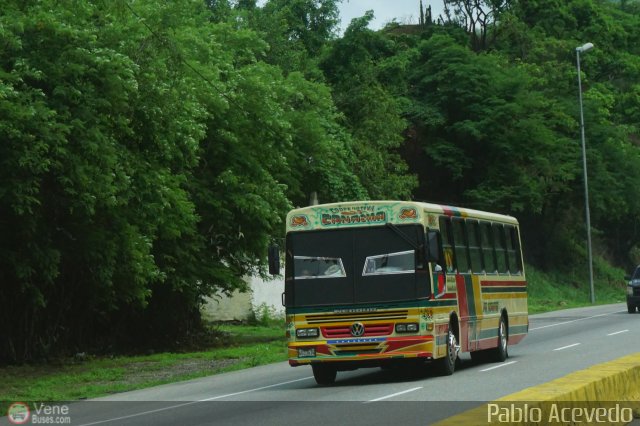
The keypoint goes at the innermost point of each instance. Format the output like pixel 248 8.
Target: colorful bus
pixel 377 283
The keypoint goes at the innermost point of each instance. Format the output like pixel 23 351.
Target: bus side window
pixel 475 252
pixel 447 244
pixel 501 253
pixel 488 253
pixel 516 242
pixel 460 246
pixel 513 251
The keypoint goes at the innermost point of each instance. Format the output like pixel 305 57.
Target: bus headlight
pixel 411 327
pixel 307 332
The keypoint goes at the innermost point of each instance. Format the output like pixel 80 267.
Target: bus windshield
pixel 355 265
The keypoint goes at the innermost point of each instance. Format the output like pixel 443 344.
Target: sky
pixel 404 11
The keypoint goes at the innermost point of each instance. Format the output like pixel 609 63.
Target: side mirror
pixel 433 246
pixel 274 260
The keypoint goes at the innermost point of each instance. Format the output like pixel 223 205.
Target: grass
pixel 73 379
pixel 262 342
pixel 554 291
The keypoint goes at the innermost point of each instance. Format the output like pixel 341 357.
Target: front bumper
pixel 373 351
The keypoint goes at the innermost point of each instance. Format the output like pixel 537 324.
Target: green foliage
pixel 360 67
pixel 499 129
pixel 79 240
pixel 148 158
pixel 296 31
pixel 265 315
pixel 149 152
pixel 480 119
pixel 233 347
pixel 570 289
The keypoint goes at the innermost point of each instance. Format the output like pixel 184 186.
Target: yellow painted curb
pixel 606 393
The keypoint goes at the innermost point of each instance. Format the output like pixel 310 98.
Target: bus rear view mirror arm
pixel 274 260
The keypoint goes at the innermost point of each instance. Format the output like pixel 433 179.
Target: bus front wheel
pixel 447 365
pixel 324 374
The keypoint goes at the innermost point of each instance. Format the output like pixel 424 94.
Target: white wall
pixel 240 305
pixel 268 293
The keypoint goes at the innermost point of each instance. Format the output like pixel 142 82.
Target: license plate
pixel 306 352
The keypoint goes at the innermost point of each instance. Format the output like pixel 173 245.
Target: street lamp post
pixel 579 50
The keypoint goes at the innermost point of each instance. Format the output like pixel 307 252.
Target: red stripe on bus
pixel 463 301
pixel 399 344
pixel 516 339
pixel 463 306
pixel 487 343
pixel 448 211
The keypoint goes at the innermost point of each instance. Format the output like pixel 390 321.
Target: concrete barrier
pixel 607 393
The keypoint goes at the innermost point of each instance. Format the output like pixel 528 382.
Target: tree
pixel 81 224
pixel 296 31
pixel 148 161
pixel 477 17
pixel 358 67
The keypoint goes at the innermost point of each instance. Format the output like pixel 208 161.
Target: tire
pixel 501 352
pixel 631 309
pixel 447 365
pixel 324 374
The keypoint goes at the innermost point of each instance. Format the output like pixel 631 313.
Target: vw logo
pixel 357 329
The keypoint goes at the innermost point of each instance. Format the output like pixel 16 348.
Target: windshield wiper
pixel 402 235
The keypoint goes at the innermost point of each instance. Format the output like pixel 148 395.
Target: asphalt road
pixel 558 343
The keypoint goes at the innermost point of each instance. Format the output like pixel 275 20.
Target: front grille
pixel 636 291
pixel 356 349
pixel 356 316
pixel 336 331
pixel 360 352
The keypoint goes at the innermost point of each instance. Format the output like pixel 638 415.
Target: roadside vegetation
pixel 234 346
pixel 551 292
pixel 150 150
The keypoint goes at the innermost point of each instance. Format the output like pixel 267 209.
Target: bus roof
pixel 366 213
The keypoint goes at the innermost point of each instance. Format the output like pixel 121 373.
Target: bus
pixel 380 283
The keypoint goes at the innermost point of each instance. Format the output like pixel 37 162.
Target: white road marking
pixel 253 390
pixel 499 366
pixel 144 413
pixel 617 332
pixel 566 347
pixel 394 394
pixel 579 319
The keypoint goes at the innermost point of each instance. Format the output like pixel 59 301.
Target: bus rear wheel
pixel 324 374
pixel 500 353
